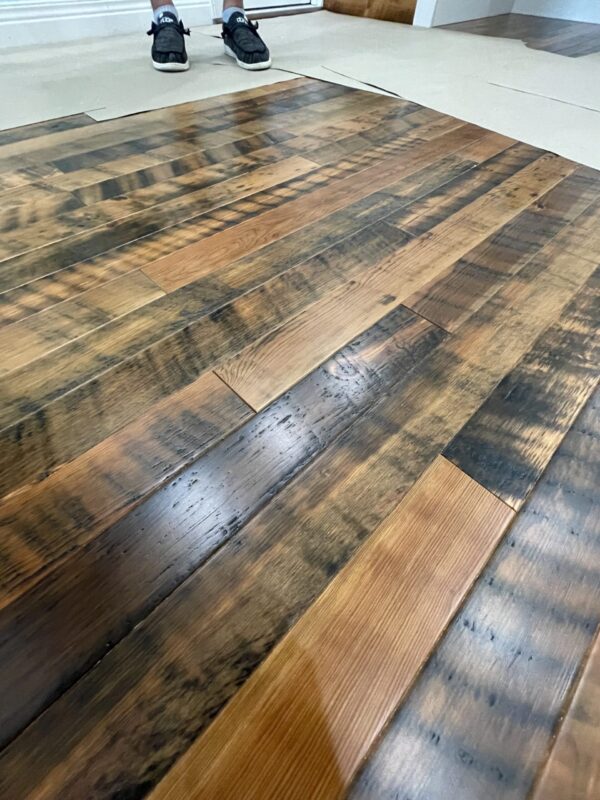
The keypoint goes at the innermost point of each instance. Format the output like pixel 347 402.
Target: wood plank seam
pixel 562 774
pixel 266 743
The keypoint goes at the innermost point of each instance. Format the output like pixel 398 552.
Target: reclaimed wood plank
pixel 266 368
pixel 190 263
pixel 479 720
pixel 464 189
pixel 174 200
pixel 67 282
pixel 572 771
pixel 166 681
pixel 450 299
pixel 84 496
pixel 509 441
pixel 80 499
pixel 42 333
pixel 77 420
pixel 302 724
pixel 188 208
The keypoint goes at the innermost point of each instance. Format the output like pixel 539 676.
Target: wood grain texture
pixel 68 282
pixel 572 771
pixel 190 205
pixel 302 724
pixel 185 197
pixel 169 677
pixel 441 203
pixel 264 456
pixel 156 350
pixel 265 369
pixel 392 10
pixel 449 299
pixel 38 335
pixel 47 520
pixel 511 438
pixel 194 261
pixel 565 37
pixel 160 539
pixel 479 721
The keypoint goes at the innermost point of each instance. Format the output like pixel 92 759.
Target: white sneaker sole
pixel 252 67
pixel 172 66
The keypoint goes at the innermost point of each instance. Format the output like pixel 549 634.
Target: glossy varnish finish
pixel 384 612
pixel 278 369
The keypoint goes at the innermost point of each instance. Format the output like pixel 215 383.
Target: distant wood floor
pixel 300 456
pixel 561 36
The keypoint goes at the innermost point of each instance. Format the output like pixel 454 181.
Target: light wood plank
pixel 265 369
pixel 480 718
pixel 304 721
pixel 51 525
pixel 192 262
pixel 176 669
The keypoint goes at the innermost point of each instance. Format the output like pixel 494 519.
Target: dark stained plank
pixel 153 351
pixel 165 682
pixel 267 367
pixel 303 723
pixel 572 771
pixel 72 607
pixel 508 442
pixel 190 263
pixel 450 299
pixel 45 521
pixel 480 718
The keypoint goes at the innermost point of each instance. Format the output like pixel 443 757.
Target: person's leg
pixel 241 38
pixel 168 46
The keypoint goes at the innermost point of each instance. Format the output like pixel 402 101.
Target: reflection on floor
pixel 561 36
pixel 299 453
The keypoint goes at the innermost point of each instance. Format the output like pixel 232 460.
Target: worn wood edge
pixel 167 788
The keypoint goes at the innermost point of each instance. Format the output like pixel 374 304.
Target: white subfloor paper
pixel 544 99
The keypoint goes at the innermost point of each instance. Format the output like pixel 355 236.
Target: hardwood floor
pixel 564 37
pixel 299 455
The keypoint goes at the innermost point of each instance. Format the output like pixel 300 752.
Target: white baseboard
pixel 445 12
pixel 23 22
pixel 575 10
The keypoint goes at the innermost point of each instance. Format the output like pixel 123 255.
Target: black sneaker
pixel 168 47
pixel 243 43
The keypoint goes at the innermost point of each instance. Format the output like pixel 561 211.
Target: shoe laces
pixel 154 28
